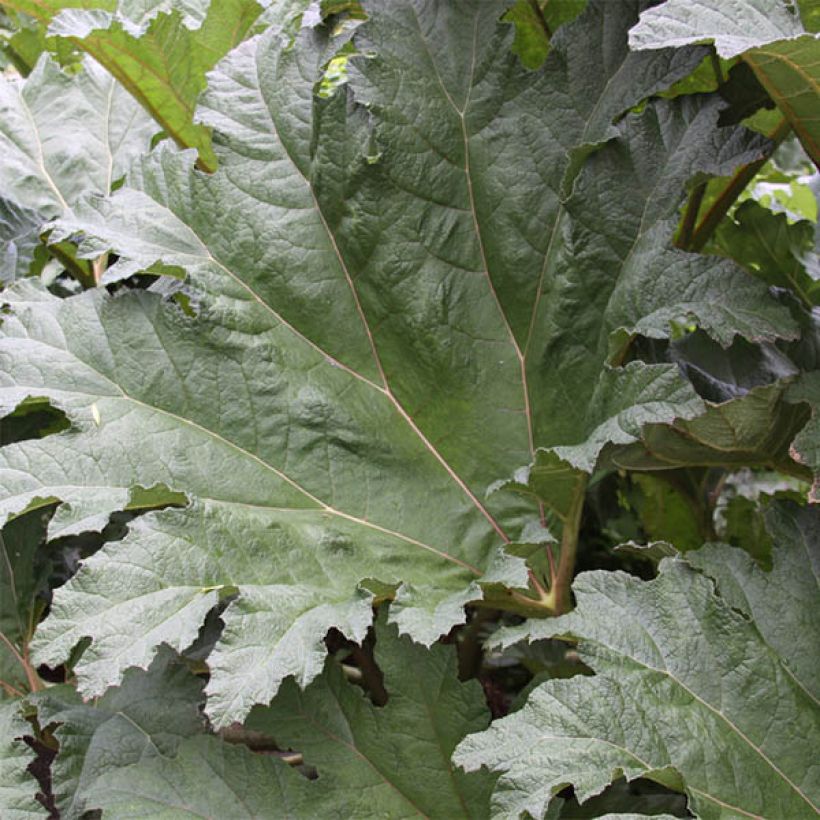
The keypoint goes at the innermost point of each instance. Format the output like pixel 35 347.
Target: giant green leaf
pixel 771 38
pixel 391 761
pixel 19 229
pixel 17 787
pixel 689 690
pixel 146 717
pixel 735 26
pixel 806 446
pixel 771 247
pixel 21 576
pixel 207 778
pixel 159 51
pixel 62 135
pixel 795 577
pixel 750 417
pixel 394 309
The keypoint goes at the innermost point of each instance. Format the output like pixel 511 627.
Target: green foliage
pixel 701 686
pixel 338 338
pixel 17 787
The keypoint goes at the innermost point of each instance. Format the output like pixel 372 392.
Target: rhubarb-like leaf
pixel 206 778
pixel 734 26
pixel 751 418
pixel 146 717
pixel 159 51
pixel 391 761
pixel 19 228
pixel 771 247
pixel 17 786
pixel 690 689
pixel 770 36
pixel 806 446
pixel 21 578
pixel 62 135
pixel 795 576
pixel 345 264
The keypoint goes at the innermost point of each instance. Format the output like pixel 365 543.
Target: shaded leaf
pixel 19 238
pixel 771 247
pixel 239 784
pixel 17 787
pixel 806 446
pixel 21 579
pixel 146 717
pixel 769 35
pixel 688 691
pixel 387 299
pixel 391 761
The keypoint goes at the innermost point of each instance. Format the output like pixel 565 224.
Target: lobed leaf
pixel 690 690
pixel 158 51
pixel 61 136
pixel 391 761
pixel 394 307
pixel 771 38
pixel 147 716
pixel 17 786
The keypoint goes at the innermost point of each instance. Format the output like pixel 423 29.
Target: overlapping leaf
pixel 768 33
pixel 772 247
pixel 17 786
pixel 61 136
pixel 392 761
pixel 400 765
pixel 144 718
pixel 21 577
pixel 394 309
pixel 159 51
pixel 690 689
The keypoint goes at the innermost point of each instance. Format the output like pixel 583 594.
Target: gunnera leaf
pixel 394 309
pixel 17 786
pixel 391 761
pixel 21 578
pixel 62 135
pixel 146 717
pixel 769 35
pixel 158 51
pixel 690 690
pixel 401 761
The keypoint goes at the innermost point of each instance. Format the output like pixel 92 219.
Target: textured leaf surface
pixel 806 445
pixel 146 717
pixel 790 72
pixel 772 247
pixel 394 310
pixel 686 687
pixel 239 784
pixel 750 417
pixel 17 786
pixel 159 52
pixel 769 35
pixel 19 229
pixel 795 577
pixel 392 761
pixel 734 26
pixel 20 579
pixel 61 136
